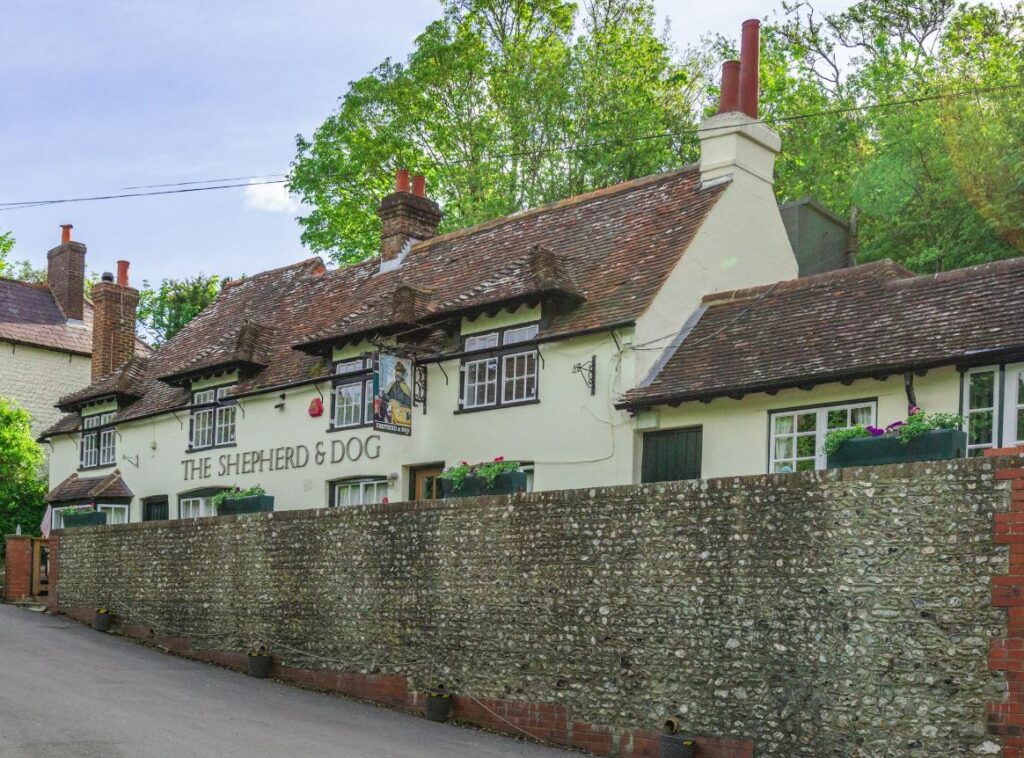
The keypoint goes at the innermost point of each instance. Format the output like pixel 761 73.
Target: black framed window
pixel 155 509
pixel 352 394
pixel 212 422
pixel 98 444
pixel 503 370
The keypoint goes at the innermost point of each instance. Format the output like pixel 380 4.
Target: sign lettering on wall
pixel 392 395
pixel 281 458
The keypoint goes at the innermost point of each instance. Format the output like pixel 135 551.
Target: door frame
pixel 416 471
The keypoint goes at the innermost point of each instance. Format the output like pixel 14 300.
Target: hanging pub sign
pixel 392 395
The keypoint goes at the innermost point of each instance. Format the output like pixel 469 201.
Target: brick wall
pixel 18 568
pixel 809 614
pixel 113 326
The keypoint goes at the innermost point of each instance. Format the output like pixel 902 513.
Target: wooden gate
pixel 40 567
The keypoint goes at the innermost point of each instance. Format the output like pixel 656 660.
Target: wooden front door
pixel 426 485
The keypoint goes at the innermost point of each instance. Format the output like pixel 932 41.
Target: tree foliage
pixel 21 459
pixel 166 309
pixel 506 104
pixel 503 105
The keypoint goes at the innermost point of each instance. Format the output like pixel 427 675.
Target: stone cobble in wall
pixel 816 614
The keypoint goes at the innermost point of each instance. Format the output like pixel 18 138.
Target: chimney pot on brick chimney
pixel 419 185
pixel 750 61
pixel 730 87
pixel 122 273
pixel 114 306
pixel 402 180
pixel 107 277
pixel 65 233
pixel 65 275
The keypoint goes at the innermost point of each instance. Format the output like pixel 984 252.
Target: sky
pixel 104 95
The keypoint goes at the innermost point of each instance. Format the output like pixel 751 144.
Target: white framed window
pixel 98 443
pixel 359 491
pixel 519 377
pixel 981 408
pixel 1013 403
pixel 797 437
pixel 349 404
pixel 507 377
pixel 353 366
pixel 481 341
pixel 480 383
pixel 195 507
pixel 116 514
pixel 213 422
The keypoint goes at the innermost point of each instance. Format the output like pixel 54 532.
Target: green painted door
pixel 672 454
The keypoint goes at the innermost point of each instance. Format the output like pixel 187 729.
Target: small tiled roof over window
pixel 871 320
pixel 76 489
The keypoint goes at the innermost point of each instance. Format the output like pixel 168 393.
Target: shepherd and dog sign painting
pixel 392 396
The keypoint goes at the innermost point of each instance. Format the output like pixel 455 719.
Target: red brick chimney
pixel 406 218
pixel 750 65
pixel 113 321
pixel 65 274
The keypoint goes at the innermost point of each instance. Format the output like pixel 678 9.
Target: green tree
pixel 937 180
pixel 503 105
pixel 165 310
pixel 6 244
pixel 21 488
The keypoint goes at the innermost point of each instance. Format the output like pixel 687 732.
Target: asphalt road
pixel 66 690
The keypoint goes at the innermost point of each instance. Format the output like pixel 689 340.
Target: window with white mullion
pixel 97 447
pixel 981 408
pixel 107 447
pixel 195 507
pixel 480 383
pixel 519 377
pixel 360 492
pixel 348 404
pixel 797 437
pixel 213 421
pixel 202 428
pixel 225 425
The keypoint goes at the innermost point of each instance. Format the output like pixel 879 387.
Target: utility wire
pixel 203 181
pixel 180 187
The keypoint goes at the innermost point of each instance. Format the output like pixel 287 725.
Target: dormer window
pixel 504 375
pixel 97 447
pixel 212 423
pixel 352 396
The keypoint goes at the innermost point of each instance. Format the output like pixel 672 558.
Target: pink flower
pixel 914 409
pixel 463 464
pixel 875 431
pixel 895 425
pixel 499 459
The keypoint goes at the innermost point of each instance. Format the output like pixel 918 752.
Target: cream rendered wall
pixel 39 378
pixel 574 439
pixel 742 242
pixel 735 432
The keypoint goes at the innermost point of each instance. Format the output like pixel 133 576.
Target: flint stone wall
pixel 816 614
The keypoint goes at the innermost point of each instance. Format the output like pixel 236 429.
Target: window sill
pixel 97 467
pixel 520 404
pixel 210 447
pixel 332 429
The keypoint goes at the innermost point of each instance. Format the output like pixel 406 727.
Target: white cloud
pixel 271 197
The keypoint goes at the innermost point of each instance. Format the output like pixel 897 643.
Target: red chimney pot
pixel 419 185
pixel 402 180
pixel 65 233
pixel 730 87
pixel 122 273
pixel 750 54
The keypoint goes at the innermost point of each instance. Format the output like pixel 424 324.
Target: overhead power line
pixel 234 182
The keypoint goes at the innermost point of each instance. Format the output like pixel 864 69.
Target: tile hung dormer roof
pixel 76 489
pixel 125 385
pixel 600 258
pixel 869 321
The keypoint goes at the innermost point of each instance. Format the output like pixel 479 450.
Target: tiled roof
pixel 605 254
pixel 29 315
pixel 860 322
pixel 76 488
pixel 124 384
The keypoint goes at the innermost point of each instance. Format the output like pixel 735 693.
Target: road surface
pixel 67 691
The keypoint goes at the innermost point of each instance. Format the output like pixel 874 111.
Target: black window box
pixel 86 518
pixel 475 486
pixel 936 445
pixel 234 506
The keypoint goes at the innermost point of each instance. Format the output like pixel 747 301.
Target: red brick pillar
pixel 1006 718
pixel 18 576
